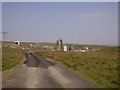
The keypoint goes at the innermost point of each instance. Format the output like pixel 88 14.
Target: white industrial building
pixel 65 48
pixel 17 42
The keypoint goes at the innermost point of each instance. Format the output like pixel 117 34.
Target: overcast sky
pixel 83 23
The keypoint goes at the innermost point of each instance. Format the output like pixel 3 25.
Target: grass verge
pixel 11 57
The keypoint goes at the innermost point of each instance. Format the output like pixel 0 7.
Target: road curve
pixel 38 72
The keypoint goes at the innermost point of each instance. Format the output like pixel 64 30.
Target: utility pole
pixel 4 35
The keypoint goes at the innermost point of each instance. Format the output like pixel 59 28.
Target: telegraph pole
pixel 4 35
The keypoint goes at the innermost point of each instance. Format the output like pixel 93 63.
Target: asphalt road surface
pixel 38 72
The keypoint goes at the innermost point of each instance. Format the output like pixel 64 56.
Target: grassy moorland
pixel 11 57
pixel 101 67
pixel 0 59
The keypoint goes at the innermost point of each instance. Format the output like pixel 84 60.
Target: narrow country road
pixel 38 72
